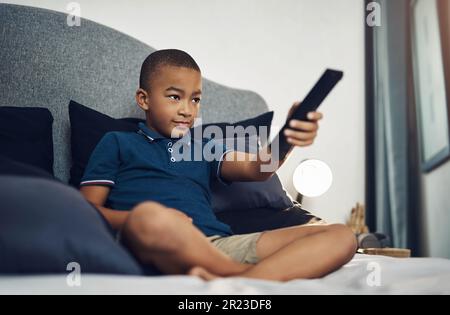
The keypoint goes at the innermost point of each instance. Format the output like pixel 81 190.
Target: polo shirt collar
pixel 149 133
pixel 154 135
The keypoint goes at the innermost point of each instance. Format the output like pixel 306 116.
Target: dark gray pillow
pixel 45 225
pixel 250 195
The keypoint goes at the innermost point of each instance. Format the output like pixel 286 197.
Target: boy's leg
pixel 167 238
pixel 302 252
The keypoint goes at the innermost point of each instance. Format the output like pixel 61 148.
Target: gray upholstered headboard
pixel 46 63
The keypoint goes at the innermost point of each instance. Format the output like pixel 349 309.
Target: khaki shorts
pixel 241 248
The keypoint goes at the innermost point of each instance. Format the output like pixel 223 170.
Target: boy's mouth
pixel 182 123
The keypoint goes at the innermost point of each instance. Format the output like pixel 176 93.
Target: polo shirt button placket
pixel 169 144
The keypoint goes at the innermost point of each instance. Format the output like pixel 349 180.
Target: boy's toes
pixel 202 273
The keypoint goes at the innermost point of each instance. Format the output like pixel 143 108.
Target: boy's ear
pixel 142 98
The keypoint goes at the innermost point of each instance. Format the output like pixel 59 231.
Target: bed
pixel 67 63
pixel 396 276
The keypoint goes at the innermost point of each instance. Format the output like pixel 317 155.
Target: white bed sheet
pixel 360 276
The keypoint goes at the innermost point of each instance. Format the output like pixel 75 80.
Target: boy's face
pixel 173 101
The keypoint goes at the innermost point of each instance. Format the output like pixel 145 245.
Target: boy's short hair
pixel 165 57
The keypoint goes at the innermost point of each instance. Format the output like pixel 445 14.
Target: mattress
pixel 364 274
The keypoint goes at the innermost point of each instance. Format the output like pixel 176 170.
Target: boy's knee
pixel 147 208
pixel 149 223
pixel 346 239
pixel 158 212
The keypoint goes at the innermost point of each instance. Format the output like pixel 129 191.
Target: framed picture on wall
pixel 431 57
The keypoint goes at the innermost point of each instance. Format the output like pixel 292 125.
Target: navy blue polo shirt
pixel 146 166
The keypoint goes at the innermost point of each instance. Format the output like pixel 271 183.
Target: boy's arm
pixel 97 196
pixel 241 166
pixel 103 166
pixel 246 167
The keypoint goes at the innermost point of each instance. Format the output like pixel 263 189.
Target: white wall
pixel 436 219
pixel 436 206
pixel 275 48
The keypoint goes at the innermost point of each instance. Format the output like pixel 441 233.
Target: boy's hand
pixel 302 133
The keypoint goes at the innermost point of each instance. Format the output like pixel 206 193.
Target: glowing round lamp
pixel 312 178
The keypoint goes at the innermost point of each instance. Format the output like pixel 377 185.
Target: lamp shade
pixel 312 178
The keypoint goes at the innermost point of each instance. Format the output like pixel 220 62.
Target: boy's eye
pixel 196 100
pixel 174 97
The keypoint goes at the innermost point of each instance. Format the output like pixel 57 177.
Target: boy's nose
pixel 185 109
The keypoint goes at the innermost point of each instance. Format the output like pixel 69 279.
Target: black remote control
pixel 311 102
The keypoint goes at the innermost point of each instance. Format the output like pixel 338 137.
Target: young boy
pixel 161 205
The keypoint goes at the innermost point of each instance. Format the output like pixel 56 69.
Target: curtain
pixel 391 103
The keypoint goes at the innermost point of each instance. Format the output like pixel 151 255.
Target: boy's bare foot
pixel 202 273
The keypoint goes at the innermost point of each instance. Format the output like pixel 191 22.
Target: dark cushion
pixel 245 221
pixel 45 225
pixel 88 127
pixel 26 136
pixel 250 195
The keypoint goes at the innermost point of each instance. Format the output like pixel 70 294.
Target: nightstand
pixel 387 251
